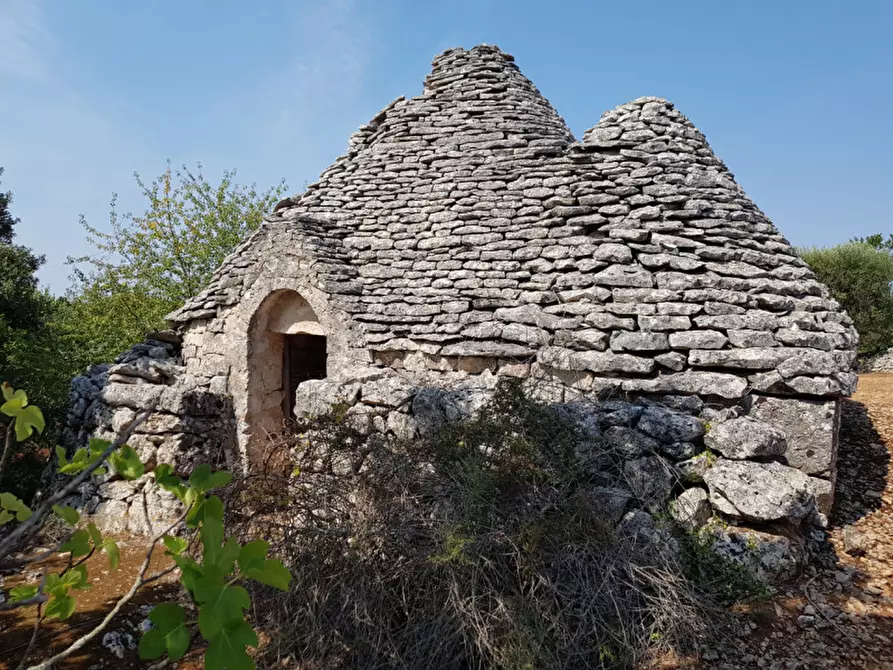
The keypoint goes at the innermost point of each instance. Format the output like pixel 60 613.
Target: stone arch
pixel 287 344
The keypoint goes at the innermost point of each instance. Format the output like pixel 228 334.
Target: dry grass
pixel 477 548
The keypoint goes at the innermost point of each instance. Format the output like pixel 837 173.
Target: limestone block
pixel 691 381
pixel 630 443
pixel 639 341
pixel 809 427
pixel 747 359
pixel 669 426
pixel 760 491
pixel 698 339
pixel 745 437
pixel 651 479
pixel 691 509
pixel 610 503
pixel 691 470
pixel 770 558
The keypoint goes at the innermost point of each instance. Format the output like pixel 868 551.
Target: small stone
pixel 670 426
pixel 692 509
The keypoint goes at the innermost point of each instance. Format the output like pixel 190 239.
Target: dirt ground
pixel 16 626
pixel 838 615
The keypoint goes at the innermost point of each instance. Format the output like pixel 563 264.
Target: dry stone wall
pixel 723 468
pixel 189 426
pixel 880 363
pixel 465 229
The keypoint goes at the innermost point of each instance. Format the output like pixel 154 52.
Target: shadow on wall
pixel 189 426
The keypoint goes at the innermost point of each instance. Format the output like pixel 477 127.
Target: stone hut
pixel 466 235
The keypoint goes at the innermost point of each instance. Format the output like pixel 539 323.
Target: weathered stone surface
pixel 691 470
pixel 772 559
pixel 745 437
pixel 639 341
pixel 809 427
pixel 630 443
pixel 759 491
pixel 691 381
pixel 433 408
pixel 668 426
pixel 698 339
pixel 672 360
pixel 747 359
pixel 611 503
pixel 594 361
pixel 651 479
pixel 621 275
pixel 691 509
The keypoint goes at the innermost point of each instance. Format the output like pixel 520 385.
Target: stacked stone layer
pixel 465 230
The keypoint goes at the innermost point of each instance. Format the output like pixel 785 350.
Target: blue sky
pixel 796 97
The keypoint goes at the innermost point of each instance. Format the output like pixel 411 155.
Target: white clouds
pixel 23 39
pixel 62 154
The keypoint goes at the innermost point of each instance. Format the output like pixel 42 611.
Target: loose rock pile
pixel 880 363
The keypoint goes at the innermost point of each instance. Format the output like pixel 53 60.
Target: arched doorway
pixel 287 346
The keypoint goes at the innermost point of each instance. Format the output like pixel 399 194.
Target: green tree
pixel 27 348
pixel 22 307
pixel 147 265
pixel 877 241
pixel 859 275
pixel 7 221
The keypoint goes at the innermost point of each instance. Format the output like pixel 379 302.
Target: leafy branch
pixel 213 583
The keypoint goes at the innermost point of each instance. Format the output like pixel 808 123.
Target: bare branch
pixel 139 582
pixel 7 447
pixel 34 600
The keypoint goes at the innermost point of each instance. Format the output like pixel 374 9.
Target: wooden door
pixel 305 358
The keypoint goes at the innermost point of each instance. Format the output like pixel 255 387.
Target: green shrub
pixel 859 276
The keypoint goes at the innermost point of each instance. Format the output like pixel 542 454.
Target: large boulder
pixel 810 430
pixel 760 491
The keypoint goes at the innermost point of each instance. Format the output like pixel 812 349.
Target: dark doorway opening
pixel 304 358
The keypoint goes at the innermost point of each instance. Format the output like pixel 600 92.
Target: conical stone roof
pixel 468 224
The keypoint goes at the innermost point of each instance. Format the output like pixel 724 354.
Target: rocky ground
pixel 839 614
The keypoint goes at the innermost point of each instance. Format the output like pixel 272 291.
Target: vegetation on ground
pixel 479 546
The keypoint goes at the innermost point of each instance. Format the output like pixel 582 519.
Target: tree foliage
pixel 146 265
pixel 28 349
pixel 859 275
pixel 22 306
